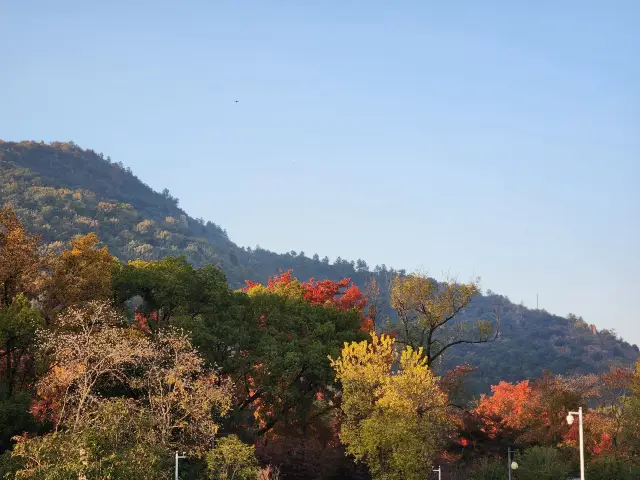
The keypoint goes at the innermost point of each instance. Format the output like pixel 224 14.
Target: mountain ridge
pixel 61 190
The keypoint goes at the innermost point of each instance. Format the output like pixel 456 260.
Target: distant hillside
pixel 61 190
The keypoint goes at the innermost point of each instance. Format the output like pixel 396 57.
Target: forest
pixel 111 366
pixel 60 190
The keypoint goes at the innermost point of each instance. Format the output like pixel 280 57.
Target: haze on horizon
pixel 499 142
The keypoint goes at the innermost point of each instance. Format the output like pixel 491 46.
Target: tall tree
pixel 18 325
pixel 121 401
pixel 396 423
pixel 165 286
pixel 281 368
pixel 80 274
pixel 428 312
pixel 19 257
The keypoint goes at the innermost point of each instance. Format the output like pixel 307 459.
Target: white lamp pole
pixel 512 465
pixel 179 457
pixel 570 422
pixel 439 470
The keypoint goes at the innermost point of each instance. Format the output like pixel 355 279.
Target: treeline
pixel 109 368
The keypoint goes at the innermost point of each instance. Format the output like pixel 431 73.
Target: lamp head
pixel 570 419
pixel 514 465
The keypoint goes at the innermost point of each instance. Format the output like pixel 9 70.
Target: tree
pixel 428 313
pixel 395 422
pixel 174 292
pixel 607 467
pixel 542 463
pixel 281 368
pixel 631 422
pixel 508 407
pixel 232 460
pixel 181 394
pixel 93 352
pixel 533 412
pixel 119 399
pixel 119 443
pixel 20 260
pixel 91 348
pixel 18 325
pixel 164 285
pixel 81 274
pixel 361 265
pixel 343 294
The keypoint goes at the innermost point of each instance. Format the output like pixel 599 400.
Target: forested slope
pixel 61 190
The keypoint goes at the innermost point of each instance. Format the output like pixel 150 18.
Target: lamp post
pixel 439 470
pixel 570 422
pixel 179 457
pixel 512 465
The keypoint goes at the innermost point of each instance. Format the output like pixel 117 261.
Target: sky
pixel 499 141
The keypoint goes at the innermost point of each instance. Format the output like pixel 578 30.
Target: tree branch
pixel 458 342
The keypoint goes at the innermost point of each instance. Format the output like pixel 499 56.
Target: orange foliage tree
pixel 80 274
pixel 19 257
pixel 510 406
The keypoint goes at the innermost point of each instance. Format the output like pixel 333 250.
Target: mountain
pixel 61 190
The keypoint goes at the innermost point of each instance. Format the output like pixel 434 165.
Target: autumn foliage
pixel 20 260
pixel 107 368
pixel 342 294
pixel 508 406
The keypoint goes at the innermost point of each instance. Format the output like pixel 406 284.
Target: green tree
pixel 18 324
pixel 607 467
pixel 231 459
pixel 15 419
pixel 631 418
pixel 165 286
pixel 281 366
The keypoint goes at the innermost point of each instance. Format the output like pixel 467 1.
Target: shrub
pixel 490 469
pixel 609 467
pixel 542 463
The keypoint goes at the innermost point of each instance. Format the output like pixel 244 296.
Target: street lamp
pixel 570 422
pixel 179 457
pixel 439 470
pixel 511 465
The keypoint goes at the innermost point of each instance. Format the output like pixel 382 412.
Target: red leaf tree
pixel 342 294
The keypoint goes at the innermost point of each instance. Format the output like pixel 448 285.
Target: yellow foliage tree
pixel 429 315
pixel 81 274
pixel 393 421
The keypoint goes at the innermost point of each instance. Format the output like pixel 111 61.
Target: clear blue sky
pixel 501 141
